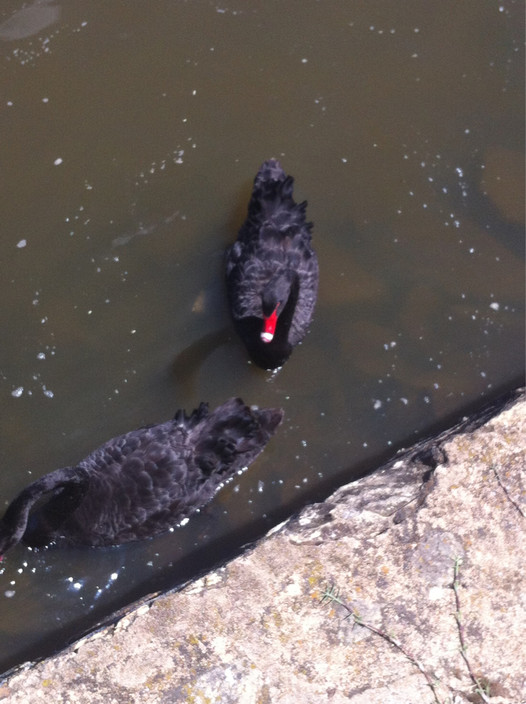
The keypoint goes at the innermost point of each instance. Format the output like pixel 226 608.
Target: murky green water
pixel 130 134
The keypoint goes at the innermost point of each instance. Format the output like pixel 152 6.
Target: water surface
pixel 131 133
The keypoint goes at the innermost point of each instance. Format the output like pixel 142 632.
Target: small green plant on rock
pixel 332 595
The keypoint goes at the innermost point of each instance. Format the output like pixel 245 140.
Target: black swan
pixel 141 483
pixel 272 270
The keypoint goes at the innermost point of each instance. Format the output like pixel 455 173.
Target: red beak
pixel 269 326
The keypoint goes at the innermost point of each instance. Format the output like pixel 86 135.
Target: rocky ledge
pixel 404 587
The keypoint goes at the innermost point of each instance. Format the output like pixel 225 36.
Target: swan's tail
pixel 232 436
pixel 190 421
pixel 272 202
pixel 270 171
pixel 272 187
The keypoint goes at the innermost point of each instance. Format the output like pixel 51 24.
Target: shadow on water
pixel 475 204
pixel 189 361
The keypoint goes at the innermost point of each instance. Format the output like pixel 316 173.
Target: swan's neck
pixel 14 523
pixel 275 353
pixel 287 314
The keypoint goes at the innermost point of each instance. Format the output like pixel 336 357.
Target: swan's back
pixel 142 483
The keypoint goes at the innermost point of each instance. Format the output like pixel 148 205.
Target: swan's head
pixel 274 300
pixel 269 326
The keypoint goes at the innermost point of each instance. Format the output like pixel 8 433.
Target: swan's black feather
pixel 140 484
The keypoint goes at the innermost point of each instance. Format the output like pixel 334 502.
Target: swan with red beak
pixel 272 270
